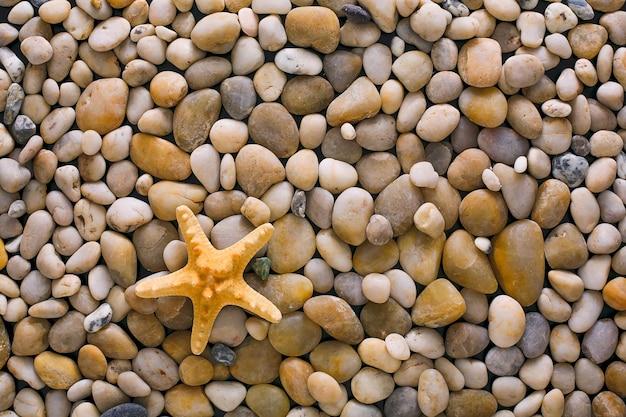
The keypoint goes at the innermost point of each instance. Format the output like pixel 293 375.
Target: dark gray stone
pixel 23 129
pixel 336 147
pixel 238 96
pixel 126 410
pixel 570 169
pixel 402 403
pixel 356 14
pixel 536 335
pixel 580 145
pixel 600 341
pixel 504 361
pixel 223 354
pixel 439 154
pixel 15 98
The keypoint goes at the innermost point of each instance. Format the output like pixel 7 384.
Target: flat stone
pixel 565 247
pixel 517 260
pixel 600 341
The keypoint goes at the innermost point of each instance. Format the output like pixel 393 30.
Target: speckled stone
pixel 504 361
pixel 464 340
pixel 126 410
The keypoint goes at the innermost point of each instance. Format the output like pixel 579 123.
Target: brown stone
pixel 471 403
pixel 524 117
pixel 113 342
pixel 608 404
pixel 464 340
pixel 271 126
pixel 465 171
pixel 102 105
pixel 288 292
pixel 336 317
pixel 502 144
pixel 380 320
pixel 257 169
pixel 313 26
pixel 294 335
pixel 486 107
pixel 517 259
pixel 615 378
pixel 565 247
pixel 438 305
pixel 587 39
pixel 5 344
pixel 306 94
pixel 465 265
pixel 614 293
pixel 480 62
pixel 337 359
pixel 194 116
pixel 92 362
pixel 293 374
pixel 159 157
pixel 551 203
pixel 370 258
pixel 398 202
pixel 420 255
pixel 483 213
pixel 359 101
pixel 257 362
pixel 56 371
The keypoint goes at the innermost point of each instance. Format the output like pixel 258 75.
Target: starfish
pixel 212 278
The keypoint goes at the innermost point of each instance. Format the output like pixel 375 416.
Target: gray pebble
pixel 456 8
pixel 577 404
pixel 15 98
pixel 439 154
pixel 23 129
pixel 402 403
pixel 298 203
pixel 238 96
pixel 536 335
pixel 600 341
pixel 504 361
pixel 356 14
pixel 580 145
pixel 348 286
pixel 37 3
pixel 12 64
pixel 581 8
pixel 223 354
pixel 126 410
pixel 17 209
pixel 570 169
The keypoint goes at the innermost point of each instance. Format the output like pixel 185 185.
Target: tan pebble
pixel 323 387
pixel 586 72
pixel 361 100
pixel 57 371
pixel 614 293
pixel 433 395
pixel 506 11
pixel 484 106
pixel 359 35
pixel 195 370
pixel 92 362
pixel 301 169
pixel 376 287
pixel 551 204
pixel 506 321
pixel 430 21
pixel 114 93
pixel 413 69
pixel 373 352
pixel 587 39
pixel 430 313
pixel 559 18
pixel 314 27
pixel 558 45
pixel 370 385
pixel 480 62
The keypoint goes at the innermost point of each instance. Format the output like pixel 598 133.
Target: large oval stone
pixel 486 107
pixel 102 105
pixel 159 157
pixel 306 94
pixel 518 261
pixel 271 126
pixel 194 116
pixel 467 265
pixel 292 245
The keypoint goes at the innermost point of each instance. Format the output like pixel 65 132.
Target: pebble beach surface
pixel 446 180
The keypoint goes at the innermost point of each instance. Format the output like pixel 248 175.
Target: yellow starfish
pixel 212 278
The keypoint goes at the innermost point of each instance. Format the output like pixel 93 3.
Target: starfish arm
pixel 257 304
pixel 196 240
pixel 245 249
pixel 205 312
pixel 176 283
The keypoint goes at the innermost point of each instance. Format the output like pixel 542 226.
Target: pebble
pixel 113 92
pixel 506 321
